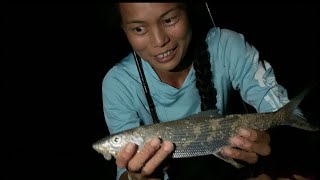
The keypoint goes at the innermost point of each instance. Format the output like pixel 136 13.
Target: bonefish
pixel 204 133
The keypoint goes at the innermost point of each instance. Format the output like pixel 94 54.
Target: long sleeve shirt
pixel 234 63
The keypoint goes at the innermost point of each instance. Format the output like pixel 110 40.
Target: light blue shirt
pixel 234 64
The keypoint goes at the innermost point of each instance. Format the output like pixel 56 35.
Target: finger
pixel 158 158
pixel 254 135
pixel 148 150
pixel 259 148
pixel 125 155
pixel 249 157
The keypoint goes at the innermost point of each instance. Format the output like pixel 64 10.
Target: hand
pixel 250 144
pixel 146 163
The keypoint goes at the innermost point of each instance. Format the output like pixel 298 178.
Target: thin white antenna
pixel 208 9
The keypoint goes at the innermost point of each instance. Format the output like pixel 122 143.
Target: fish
pixel 204 133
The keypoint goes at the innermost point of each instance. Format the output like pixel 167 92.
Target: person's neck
pixel 174 78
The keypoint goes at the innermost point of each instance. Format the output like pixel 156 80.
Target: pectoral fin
pixel 107 156
pixel 228 160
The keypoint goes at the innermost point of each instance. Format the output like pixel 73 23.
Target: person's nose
pixel 159 37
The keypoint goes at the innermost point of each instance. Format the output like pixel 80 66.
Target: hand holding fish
pixel 249 144
pixel 145 164
pixel 200 134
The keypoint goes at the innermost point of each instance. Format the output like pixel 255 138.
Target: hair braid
pixel 204 83
pixel 201 55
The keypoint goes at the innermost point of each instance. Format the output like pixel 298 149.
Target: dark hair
pixel 200 22
pixel 204 83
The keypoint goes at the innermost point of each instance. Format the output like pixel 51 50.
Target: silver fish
pixel 204 133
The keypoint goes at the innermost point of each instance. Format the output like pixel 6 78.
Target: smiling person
pixel 187 69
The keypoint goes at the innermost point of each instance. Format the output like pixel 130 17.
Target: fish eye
pixel 116 140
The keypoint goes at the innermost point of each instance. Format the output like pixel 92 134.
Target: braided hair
pixel 204 83
pixel 201 56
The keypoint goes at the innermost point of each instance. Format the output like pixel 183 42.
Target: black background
pixel 57 55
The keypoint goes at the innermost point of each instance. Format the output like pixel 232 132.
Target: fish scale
pixel 188 144
pixel 198 149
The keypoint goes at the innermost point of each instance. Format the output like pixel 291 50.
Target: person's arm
pixel 256 82
pixel 253 143
pixel 120 110
pixel 257 86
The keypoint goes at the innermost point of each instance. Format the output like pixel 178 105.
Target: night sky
pixel 58 54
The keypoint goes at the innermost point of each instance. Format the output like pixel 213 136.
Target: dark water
pixel 57 55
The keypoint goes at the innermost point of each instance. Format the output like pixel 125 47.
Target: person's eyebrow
pixel 170 10
pixel 161 16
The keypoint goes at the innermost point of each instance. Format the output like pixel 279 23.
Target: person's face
pixel 158 32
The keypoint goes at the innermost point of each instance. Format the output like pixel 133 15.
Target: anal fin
pixel 228 160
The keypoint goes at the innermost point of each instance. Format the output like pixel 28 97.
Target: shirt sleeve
pixel 118 107
pixel 253 77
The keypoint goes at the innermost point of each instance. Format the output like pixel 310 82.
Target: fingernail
pixel 168 146
pixel 226 152
pixel 239 142
pixel 244 132
pixel 154 142
pixel 130 147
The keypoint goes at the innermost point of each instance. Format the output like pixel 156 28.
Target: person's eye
pixel 171 21
pixel 139 30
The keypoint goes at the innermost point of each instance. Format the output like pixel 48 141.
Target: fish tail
pixel 294 103
pixel 292 116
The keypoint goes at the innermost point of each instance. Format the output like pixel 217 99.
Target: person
pixel 187 69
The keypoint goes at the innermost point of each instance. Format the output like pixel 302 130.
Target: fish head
pixel 111 145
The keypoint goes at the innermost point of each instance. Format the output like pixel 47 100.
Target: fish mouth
pixel 96 148
pixel 106 154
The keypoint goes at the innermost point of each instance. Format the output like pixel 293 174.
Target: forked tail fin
pixel 297 120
